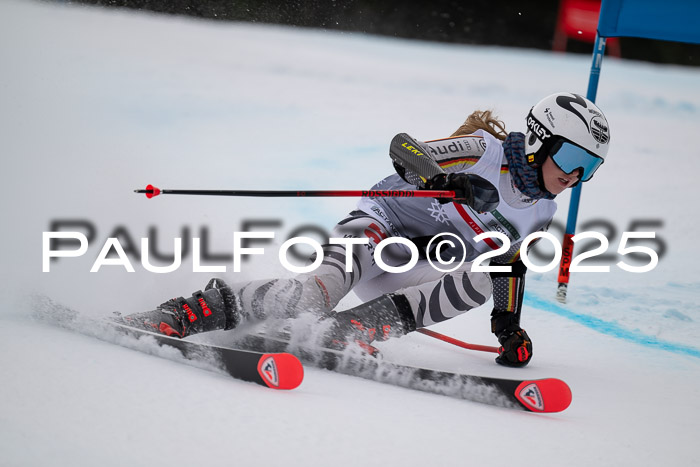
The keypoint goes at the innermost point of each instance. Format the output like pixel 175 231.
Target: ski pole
pixel 458 343
pixel 152 191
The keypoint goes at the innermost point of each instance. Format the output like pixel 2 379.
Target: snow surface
pixel 95 103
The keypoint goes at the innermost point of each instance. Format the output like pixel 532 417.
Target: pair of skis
pixel 272 361
pixel 266 360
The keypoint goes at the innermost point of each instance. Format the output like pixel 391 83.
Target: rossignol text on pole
pixel 152 191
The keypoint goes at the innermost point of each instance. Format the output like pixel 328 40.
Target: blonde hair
pixel 482 120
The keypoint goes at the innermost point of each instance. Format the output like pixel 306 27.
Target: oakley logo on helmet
pixel 537 128
pixel 599 130
pixel 565 103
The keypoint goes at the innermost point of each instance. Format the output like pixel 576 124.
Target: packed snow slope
pixel 95 103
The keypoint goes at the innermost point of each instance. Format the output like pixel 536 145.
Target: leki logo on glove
pixel 413 149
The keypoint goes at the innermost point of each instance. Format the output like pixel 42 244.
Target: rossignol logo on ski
pixel 268 371
pixel 531 396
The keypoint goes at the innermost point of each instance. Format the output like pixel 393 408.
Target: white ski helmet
pixel 569 128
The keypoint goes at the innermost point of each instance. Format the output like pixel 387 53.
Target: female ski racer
pixel 506 182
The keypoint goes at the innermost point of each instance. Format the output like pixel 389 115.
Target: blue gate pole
pixel 568 244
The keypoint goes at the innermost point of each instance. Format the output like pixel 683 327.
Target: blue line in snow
pixel 610 328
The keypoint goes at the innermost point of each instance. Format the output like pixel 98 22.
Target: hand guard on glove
pixel 516 346
pixel 472 190
pixel 515 350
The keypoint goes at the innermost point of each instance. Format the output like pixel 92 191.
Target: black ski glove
pixel 472 190
pixel 516 346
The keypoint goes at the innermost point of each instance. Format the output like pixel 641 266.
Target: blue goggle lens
pixel 570 157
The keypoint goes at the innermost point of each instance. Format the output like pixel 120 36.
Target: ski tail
pixel 275 370
pixel 280 370
pixel 544 395
pixel 272 370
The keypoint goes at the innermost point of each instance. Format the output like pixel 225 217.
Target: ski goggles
pixel 570 157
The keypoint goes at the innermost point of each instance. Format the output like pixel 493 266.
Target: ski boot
pixel 215 308
pixel 377 320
